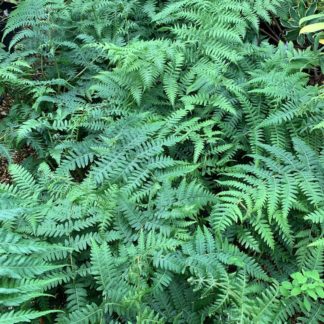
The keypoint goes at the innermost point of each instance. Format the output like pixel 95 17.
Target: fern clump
pixel 177 173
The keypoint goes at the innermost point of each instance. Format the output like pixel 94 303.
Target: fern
pixel 165 161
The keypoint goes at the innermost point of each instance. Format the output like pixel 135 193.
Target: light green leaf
pixel 312 28
pixel 320 292
pixel 299 277
pixel 286 285
pixel 312 293
pixel 295 291
pixel 311 17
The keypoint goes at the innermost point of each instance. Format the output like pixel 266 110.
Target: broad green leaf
pixel 311 17
pixel 320 292
pixel 284 292
pixel 312 28
pixel 304 287
pixel 286 285
pixel 312 293
pixel 295 291
pixel 299 277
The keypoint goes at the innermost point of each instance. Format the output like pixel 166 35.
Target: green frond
pixel 22 316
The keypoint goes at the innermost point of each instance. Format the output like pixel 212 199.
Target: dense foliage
pixel 176 165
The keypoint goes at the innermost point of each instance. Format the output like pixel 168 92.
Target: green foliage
pixel 306 284
pixel 177 173
pixel 292 15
